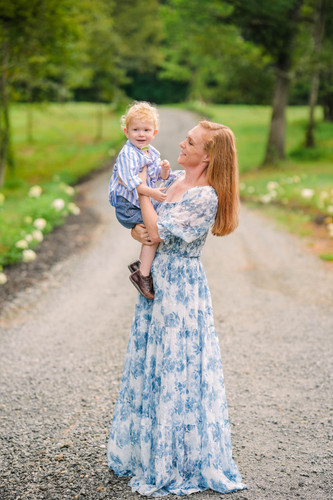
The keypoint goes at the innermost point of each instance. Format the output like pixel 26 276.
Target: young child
pixel 140 125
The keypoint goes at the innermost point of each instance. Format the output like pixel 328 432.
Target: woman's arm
pixel 148 212
pixel 140 233
pixel 149 218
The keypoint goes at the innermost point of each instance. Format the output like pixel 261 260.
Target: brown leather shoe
pixel 134 266
pixel 144 284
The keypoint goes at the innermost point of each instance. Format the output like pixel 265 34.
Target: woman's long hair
pixel 223 175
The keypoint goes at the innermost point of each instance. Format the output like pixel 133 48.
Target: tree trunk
pixel 328 109
pixel 4 133
pixel 275 149
pixel 313 98
pixel 326 94
pixel 99 116
pixel 30 137
pixel 309 138
pixel 276 140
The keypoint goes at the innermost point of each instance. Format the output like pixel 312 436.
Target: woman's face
pixel 192 151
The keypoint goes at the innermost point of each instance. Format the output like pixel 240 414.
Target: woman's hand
pixel 140 233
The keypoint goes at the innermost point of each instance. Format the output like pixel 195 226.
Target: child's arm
pixel 165 169
pixel 156 193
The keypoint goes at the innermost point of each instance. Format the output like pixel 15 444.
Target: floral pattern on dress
pixel 170 430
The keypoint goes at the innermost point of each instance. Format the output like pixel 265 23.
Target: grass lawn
pixel 64 141
pixel 68 141
pixel 298 192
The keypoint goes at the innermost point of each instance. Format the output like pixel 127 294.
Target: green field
pixel 68 141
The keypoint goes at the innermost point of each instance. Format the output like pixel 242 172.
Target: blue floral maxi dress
pixel 170 429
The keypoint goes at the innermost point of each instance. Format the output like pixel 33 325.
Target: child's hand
pixel 158 195
pixel 165 169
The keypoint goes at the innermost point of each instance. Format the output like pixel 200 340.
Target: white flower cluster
pixel 307 193
pixel 58 204
pixel 3 278
pixel 288 188
pixel 35 234
pixel 67 189
pixel 35 191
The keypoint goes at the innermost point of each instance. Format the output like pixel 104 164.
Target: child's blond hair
pixel 141 111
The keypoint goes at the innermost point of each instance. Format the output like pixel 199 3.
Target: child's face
pixel 140 133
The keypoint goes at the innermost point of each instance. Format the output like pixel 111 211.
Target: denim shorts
pixel 127 214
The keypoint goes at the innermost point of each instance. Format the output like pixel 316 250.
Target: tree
pixel 204 50
pixel 318 34
pixel 326 81
pixel 272 26
pixel 30 28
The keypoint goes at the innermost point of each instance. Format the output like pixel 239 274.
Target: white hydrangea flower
pixel 2 198
pixel 68 189
pixel 58 204
pixel 35 191
pixel 307 193
pixel 272 185
pixel 3 279
pixel 37 235
pixel 250 189
pixel 74 209
pixel 242 186
pixel 29 238
pixel 330 209
pixel 265 198
pixel 28 255
pixel 40 223
pixel 21 244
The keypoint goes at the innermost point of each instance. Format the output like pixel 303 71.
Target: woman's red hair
pixel 223 175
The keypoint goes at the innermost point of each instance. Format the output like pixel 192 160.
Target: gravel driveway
pixel 63 344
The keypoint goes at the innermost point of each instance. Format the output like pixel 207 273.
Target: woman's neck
pixel 196 177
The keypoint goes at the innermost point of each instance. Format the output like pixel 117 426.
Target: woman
pixel 170 430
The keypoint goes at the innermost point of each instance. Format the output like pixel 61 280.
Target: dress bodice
pixel 183 225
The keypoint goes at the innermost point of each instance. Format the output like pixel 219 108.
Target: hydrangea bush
pixel 43 208
pixel 294 192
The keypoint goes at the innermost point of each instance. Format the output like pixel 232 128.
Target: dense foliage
pixel 222 51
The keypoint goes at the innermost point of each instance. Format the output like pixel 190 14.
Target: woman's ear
pixel 206 158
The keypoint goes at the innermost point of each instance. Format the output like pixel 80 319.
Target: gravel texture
pixel 63 341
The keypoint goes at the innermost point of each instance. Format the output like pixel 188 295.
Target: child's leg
pixel 147 256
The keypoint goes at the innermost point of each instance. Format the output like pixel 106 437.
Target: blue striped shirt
pixel 130 162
